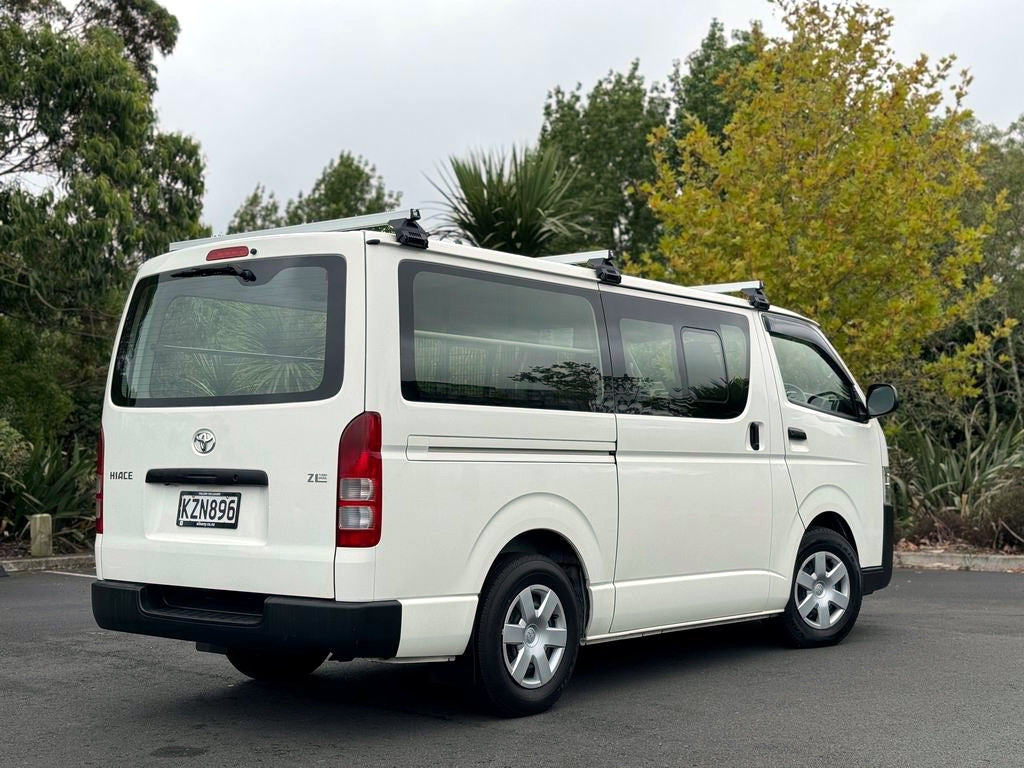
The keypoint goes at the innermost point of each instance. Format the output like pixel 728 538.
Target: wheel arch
pixel 553 526
pixel 835 522
pixel 556 547
pixel 829 506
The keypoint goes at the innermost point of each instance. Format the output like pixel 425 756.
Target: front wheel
pixel 527 636
pixel 826 593
pixel 275 665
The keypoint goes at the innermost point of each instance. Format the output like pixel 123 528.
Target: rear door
pixel 230 386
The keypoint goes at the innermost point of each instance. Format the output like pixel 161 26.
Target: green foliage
pixel 55 482
pixel 14 453
pixel 839 183
pixel 88 189
pixel 259 210
pixel 348 186
pixel 603 136
pixel 957 488
pixel 698 93
pixel 518 203
pixel 33 369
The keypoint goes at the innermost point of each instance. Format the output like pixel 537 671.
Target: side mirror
pixel 882 399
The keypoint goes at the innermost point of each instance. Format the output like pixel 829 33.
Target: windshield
pixel 222 334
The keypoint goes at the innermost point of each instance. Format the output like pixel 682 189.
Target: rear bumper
pixel 876 578
pixel 349 630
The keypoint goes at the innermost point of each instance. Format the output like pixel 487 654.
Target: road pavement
pixel 932 675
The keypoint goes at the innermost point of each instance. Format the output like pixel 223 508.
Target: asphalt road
pixel 932 675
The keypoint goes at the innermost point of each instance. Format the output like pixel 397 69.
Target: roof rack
pixel 602 262
pixel 404 222
pixel 752 289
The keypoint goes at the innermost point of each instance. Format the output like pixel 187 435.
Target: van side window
pixel 705 365
pixel 811 378
pixel 477 338
pixel 672 359
pixel 652 361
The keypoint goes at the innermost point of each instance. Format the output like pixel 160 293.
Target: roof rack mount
pixel 395 218
pixel 602 262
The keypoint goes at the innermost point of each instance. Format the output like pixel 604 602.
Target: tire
pixel 275 664
pixel 822 609
pixel 527 636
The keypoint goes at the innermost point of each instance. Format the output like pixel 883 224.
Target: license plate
pixel 208 509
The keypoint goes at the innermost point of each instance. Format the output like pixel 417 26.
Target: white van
pixel 321 442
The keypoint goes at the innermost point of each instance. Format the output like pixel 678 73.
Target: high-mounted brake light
pixel 230 252
pixel 360 487
pixel 99 483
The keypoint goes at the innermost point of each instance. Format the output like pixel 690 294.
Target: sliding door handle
pixel 796 434
pixel 755 437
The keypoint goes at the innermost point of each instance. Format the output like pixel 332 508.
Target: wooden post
pixel 41 527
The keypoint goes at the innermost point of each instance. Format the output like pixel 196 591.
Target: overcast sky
pixel 273 90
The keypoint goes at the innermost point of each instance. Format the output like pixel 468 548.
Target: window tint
pixel 194 339
pixel 676 360
pixel 811 378
pixel 705 365
pixel 652 361
pixel 479 339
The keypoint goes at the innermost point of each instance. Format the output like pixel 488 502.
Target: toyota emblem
pixel 203 441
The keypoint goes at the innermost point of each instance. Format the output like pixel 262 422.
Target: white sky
pixel 273 89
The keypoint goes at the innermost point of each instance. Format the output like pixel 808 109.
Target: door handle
pixel 755 437
pixel 796 434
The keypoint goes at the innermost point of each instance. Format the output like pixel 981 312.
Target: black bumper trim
pixel 878 577
pixel 349 630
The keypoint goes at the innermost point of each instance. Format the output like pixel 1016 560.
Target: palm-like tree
pixel 518 203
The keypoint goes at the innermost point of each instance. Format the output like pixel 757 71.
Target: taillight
pixel 99 483
pixel 359 482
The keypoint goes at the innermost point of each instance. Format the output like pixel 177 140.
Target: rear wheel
pixel 826 593
pixel 527 636
pixel 275 664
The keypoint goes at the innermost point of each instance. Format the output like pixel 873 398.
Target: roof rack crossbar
pixel 749 285
pixel 576 258
pixel 752 289
pixel 333 225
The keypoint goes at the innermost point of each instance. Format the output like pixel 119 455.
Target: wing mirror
pixel 882 399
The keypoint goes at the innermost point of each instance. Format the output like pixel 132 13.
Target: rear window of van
pixel 235 333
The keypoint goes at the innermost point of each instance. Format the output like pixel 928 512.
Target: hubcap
pixel 821 591
pixel 533 638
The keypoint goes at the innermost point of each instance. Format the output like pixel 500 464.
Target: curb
pixel 959 561
pixel 46 563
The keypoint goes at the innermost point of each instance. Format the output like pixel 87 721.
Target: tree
pixel 698 93
pixel 518 203
pixel 604 137
pixel 999 371
pixel 348 186
pixel 88 188
pixel 259 210
pixel 839 183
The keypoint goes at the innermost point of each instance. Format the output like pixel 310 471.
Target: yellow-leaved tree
pixel 839 182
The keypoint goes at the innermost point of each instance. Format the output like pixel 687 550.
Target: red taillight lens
pixel 99 483
pixel 230 252
pixel 359 482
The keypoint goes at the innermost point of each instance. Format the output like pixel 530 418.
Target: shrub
pixel 51 481
pixel 962 489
